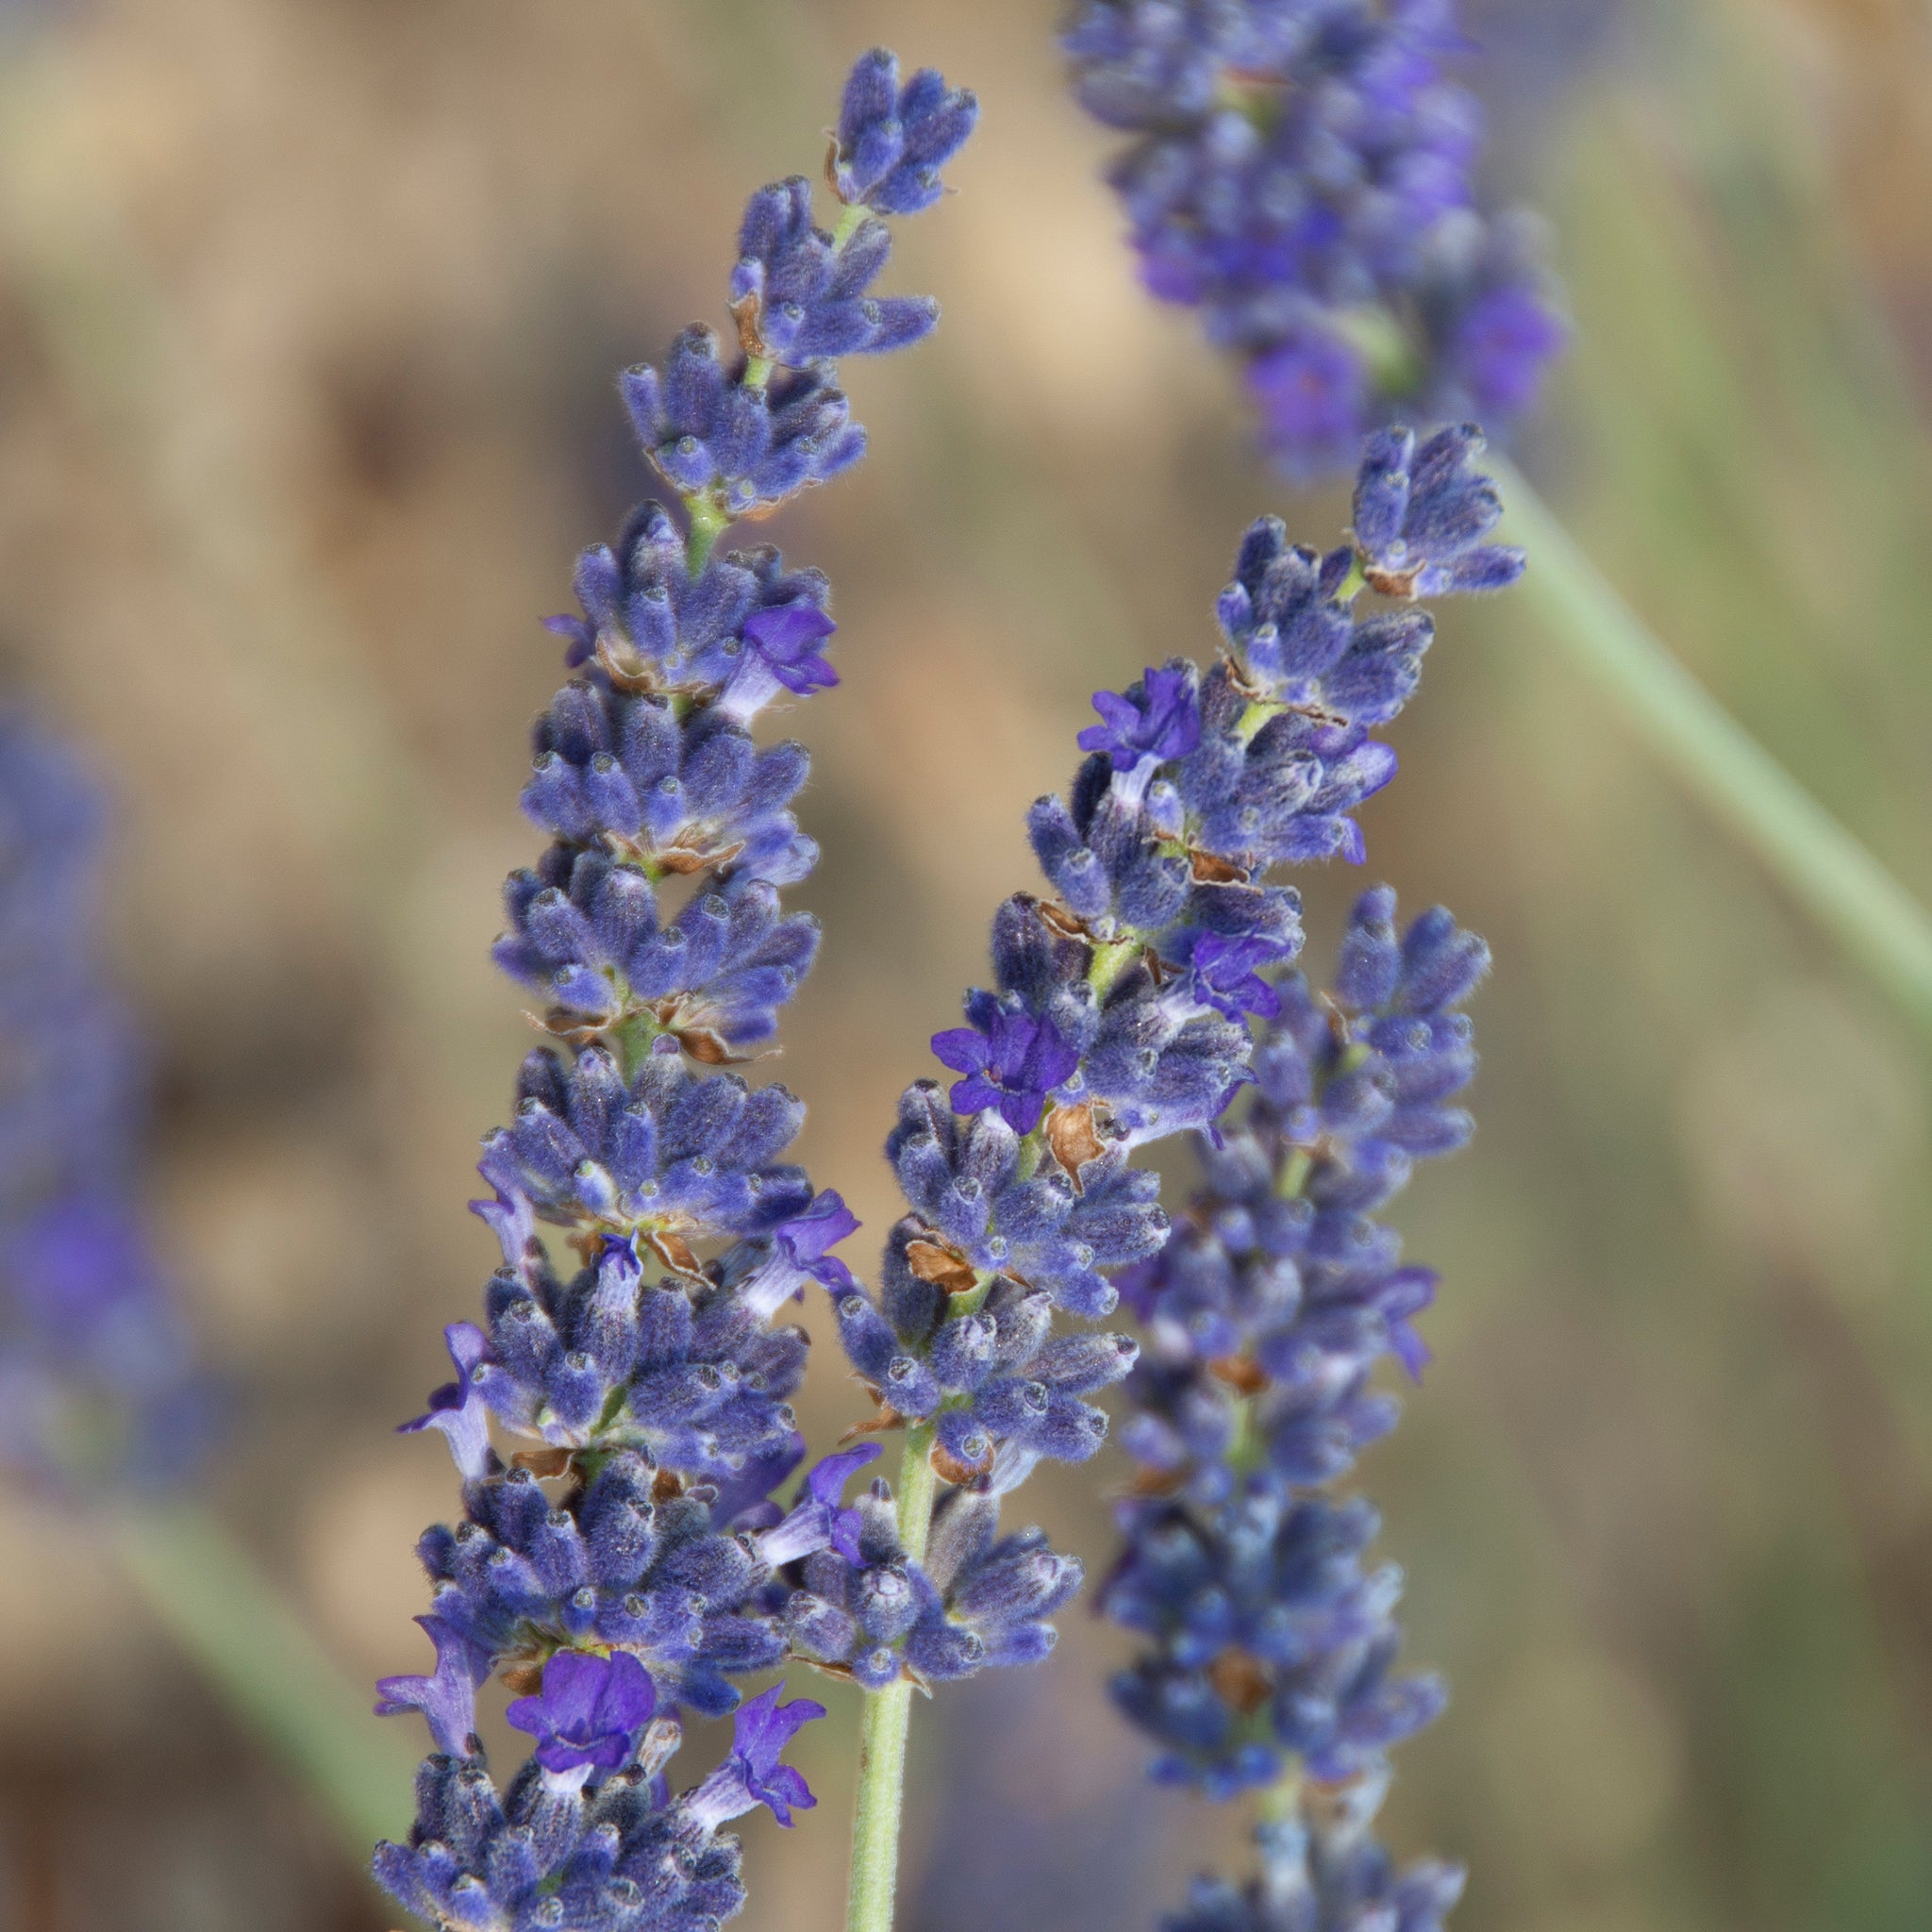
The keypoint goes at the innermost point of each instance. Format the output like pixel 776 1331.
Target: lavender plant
pixel 100 1392
pixel 1301 172
pixel 1119 1017
pixel 1271 1643
pixel 648 1383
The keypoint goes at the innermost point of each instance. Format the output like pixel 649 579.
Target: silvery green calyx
pixel 1120 1016
pixel 1303 173
pixel 1270 1651
pixel 619 1418
pixel 100 1392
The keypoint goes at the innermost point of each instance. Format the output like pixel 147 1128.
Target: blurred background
pixel 310 312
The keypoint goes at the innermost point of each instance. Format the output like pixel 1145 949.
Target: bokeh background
pixel 309 311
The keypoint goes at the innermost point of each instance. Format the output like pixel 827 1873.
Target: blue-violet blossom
pixel 629 1561
pixel 1301 171
pixel 1120 1018
pixel 98 1382
pixel 1271 1643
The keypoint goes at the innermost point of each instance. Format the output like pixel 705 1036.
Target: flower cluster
pixel 1301 172
pixel 1271 1640
pixel 1120 1006
pixel 628 1562
pixel 98 1384
pixel 1322 1870
pixel 1263 1320
pixel 862 1607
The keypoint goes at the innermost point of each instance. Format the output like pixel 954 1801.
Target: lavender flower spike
pixel 1119 1017
pixel 99 1387
pixel 1301 171
pixel 1269 1643
pixel 648 1384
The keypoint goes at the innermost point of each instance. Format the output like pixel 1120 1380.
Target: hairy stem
pixel 708 524
pixel 887 1715
pixel 212 1598
pixel 1823 868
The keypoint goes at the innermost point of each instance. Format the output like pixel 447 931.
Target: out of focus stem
pixel 888 1717
pixel 241 1633
pixel 1824 869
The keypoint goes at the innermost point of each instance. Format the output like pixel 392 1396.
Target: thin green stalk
pixel 887 1715
pixel 708 524
pixel 212 1598
pixel 1829 874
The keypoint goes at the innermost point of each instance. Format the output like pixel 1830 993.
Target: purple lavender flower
pixel 819 1520
pixel 616 1851
pixel 589 1713
pixel 1119 1016
pixel 797 1253
pixel 1301 172
pixel 1311 390
pixel 447 1696
pixel 892 140
pixel 1227 975
pixel 1158 718
pixel 753 1776
pixel 1422 515
pixel 1268 1638
pixel 1011 1060
pixel 789 639
pixel 1325 1872
pixel 645 1376
pixel 99 1386
pixel 459 1408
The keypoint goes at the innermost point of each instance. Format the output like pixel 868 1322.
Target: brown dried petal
pixel 887 1418
pixel 706 1048
pixel 683 859
pixel 1070 1134
pixel 745 312
pixel 1240 1680
pixel 1236 677
pixel 622 665
pixel 527 1680
pixel 562 1023
pixel 1239 1373
pixel 542 1462
pixel 1210 869
pixel 1068 925
pixel 955 1472
pixel 824 1670
pixel 943 1267
pixel 674 1250
pixel 1392 583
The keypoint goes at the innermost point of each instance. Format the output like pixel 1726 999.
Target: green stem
pixel 212 1598
pixel 1111 958
pixel 708 524
pixel 1830 875
pixel 887 1715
